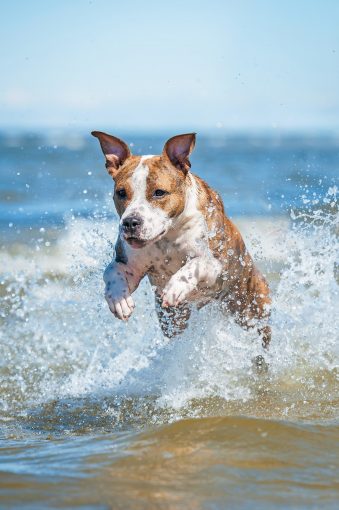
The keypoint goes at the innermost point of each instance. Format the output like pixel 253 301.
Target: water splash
pixel 59 340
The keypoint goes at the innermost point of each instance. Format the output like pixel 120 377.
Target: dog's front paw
pixel 175 293
pixel 121 306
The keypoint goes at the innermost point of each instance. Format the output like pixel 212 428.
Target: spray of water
pixel 59 341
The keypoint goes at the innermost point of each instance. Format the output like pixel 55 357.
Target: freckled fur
pixel 200 257
pixel 247 293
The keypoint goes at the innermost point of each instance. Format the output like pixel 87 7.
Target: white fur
pixel 155 220
pixel 139 183
pixel 189 232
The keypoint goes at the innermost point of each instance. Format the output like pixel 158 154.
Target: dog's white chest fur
pixel 187 239
pixel 171 254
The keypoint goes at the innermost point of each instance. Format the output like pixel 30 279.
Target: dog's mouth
pixel 138 243
pixel 135 242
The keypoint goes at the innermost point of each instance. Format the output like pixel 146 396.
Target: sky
pixel 151 65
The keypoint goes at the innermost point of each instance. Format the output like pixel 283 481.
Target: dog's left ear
pixel 177 150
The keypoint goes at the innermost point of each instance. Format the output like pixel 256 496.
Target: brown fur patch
pixel 248 295
pixel 162 175
pixel 122 181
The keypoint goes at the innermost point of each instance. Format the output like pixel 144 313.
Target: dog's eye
pixel 121 193
pixel 159 193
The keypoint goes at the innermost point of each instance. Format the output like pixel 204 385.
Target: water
pixel 99 414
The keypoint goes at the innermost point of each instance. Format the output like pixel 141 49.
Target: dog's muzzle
pixel 131 227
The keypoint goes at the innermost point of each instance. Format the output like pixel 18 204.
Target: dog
pixel 173 228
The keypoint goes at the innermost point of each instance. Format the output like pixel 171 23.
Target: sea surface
pixel 99 414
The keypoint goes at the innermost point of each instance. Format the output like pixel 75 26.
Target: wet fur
pixel 201 256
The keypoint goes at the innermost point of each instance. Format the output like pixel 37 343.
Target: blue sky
pixel 202 65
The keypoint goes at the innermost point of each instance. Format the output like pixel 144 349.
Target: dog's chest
pixel 170 254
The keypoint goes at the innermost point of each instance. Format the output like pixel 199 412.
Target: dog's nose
pixel 131 223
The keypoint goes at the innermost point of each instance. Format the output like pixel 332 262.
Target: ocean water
pixel 99 414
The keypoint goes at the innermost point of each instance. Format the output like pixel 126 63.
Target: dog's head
pixel 150 191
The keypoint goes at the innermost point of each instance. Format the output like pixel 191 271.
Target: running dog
pixel 173 228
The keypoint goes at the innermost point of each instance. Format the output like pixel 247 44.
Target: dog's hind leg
pixel 251 310
pixel 251 306
pixel 172 320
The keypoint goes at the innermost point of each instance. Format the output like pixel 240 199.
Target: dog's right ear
pixel 116 151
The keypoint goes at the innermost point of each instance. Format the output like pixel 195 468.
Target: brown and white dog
pixel 173 229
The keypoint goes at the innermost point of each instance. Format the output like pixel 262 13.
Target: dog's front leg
pixel 120 282
pixel 199 270
pixel 172 320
